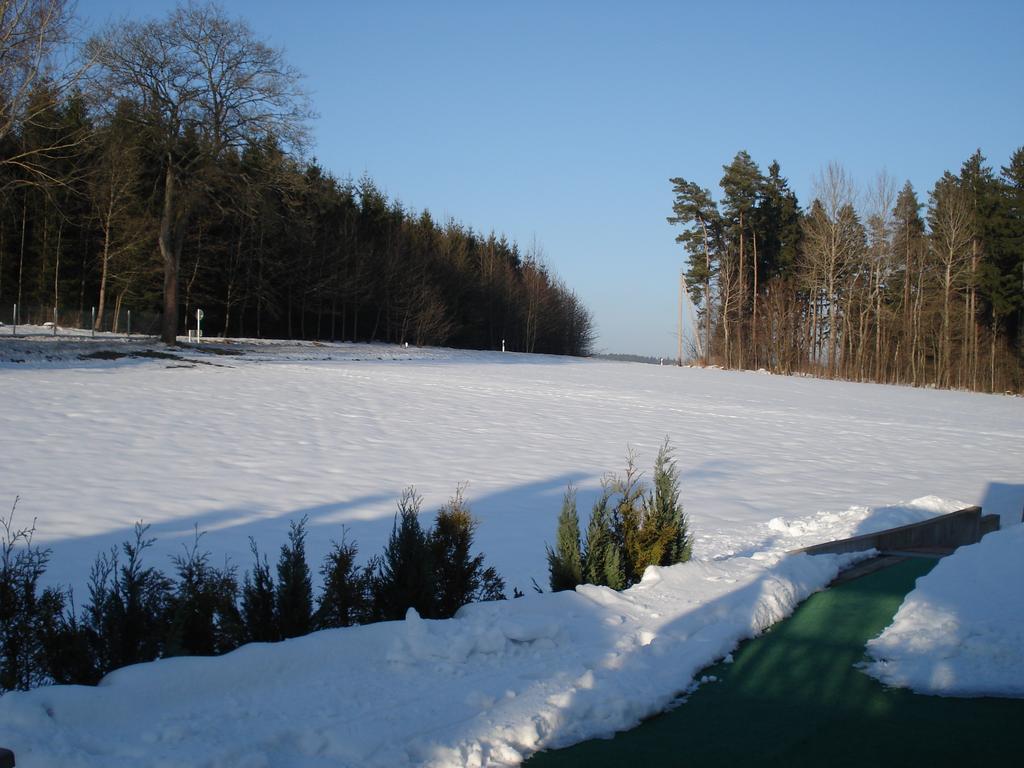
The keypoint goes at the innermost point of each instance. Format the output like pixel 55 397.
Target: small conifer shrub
pixel 29 619
pixel 293 603
pixel 565 561
pixel 344 599
pixel 205 620
pixel 405 576
pixel 128 615
pixel 259 621
pixel 459 576
pixel 630 528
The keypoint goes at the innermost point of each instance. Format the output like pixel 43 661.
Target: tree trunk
pixel 56 272
pixel 104 263
pixel 707 296
pixel 170 251
pixel 21 254
pixel 741 353
pixel 753 322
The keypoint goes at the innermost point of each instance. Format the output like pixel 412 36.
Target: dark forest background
pixel 159 168
pixel 276 247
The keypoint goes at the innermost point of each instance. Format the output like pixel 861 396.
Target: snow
pixel 489 687
pixel 239 437
pixel 242 443
pixel 960 632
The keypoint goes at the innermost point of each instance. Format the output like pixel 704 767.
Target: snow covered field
pixel 239 444
pixel 242 444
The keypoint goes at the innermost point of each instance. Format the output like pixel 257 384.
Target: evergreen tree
pixel 778 222
pixel 405 578
pixel 565 562
pixel 28 618
pixel 204 616
pixel 627 515
pixel 460 577
pixel 984 194
pixel 908 247
pixel 664 511
pixel 741 184
pixel 128 616
pixel 694 209
pixel 602 560
pixel 1003 289
pixel 259 618
pixel 343 600
pixel 293 603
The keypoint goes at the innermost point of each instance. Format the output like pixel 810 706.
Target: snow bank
pixel 489 687
pixel 858 521
pixel 961 631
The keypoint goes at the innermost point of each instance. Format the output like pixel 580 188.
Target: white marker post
pixel 502 345
pixel 14 321
pixel 199 327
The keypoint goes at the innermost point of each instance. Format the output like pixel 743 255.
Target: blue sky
pixel 560 123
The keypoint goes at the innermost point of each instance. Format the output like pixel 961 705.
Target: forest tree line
pixel 872 285
pixel 125 183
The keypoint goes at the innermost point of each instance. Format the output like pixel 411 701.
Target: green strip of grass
pixel 793 697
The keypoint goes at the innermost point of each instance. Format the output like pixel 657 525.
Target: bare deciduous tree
pixel 207 86
pixel 833 240
pixel 36 72
pixel 949 216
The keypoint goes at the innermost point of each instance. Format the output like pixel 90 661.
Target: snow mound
pixel 489 687
pixel 961 631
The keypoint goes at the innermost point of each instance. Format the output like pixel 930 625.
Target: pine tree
pixel 1003 286
pixel 778 222
pixel 28 618
pixel 405 577
pixel 343 600
pixel 741 184
pixel 694 209
pixel 565 562
pixel 128 617
pixel 293 603
pixel 258 615
pixel 460 577
pixel 204 617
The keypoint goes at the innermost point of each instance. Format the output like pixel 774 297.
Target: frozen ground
pixel 961 631
pixel 244 436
